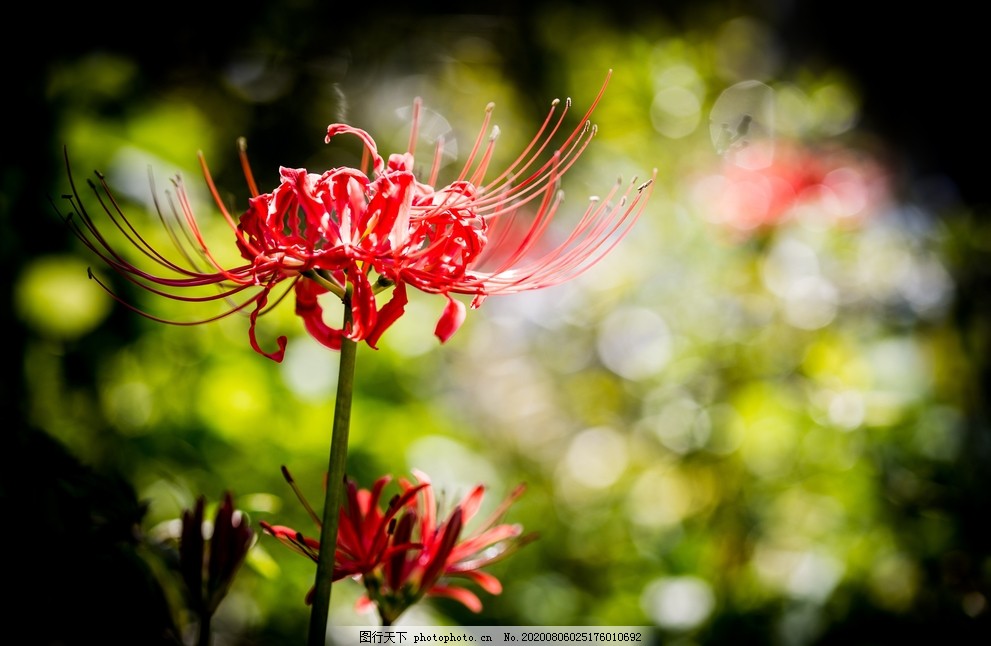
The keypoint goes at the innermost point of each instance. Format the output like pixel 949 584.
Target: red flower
pixel 404 552
pixel 825 186
pixel 356 235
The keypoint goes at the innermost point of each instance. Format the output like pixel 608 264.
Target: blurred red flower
pixel 354 235
pixel 823 187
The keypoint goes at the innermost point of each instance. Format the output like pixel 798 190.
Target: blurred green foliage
pixel 757 422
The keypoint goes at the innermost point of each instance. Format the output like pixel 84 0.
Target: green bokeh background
pixel 771 435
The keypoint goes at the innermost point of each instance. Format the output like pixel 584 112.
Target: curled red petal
pixel 472 501
pixel 364 312
pixel 335 129
pixel 485 581
pixel 465 597
pixel 389 314
pixel 450 320
pixel 279 354
pixel 308 308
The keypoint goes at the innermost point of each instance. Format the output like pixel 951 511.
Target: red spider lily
pixel 403 552
pixel 356 235
pixel 826 186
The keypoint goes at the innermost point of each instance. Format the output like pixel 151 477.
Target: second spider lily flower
pixel 448 551
pixel 356 235
pixel 405 551
pixel 364 537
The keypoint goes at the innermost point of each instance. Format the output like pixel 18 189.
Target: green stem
pixel 335 486
pixel 204 638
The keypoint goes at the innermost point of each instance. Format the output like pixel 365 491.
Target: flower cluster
pixel 406 551
pixel 356 235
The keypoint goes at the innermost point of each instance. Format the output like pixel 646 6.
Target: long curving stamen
pixel 483 164
pixel 242 153
pixel 220 205
pixel 545 140
pixel 478 142
pixel 515 169
pixel 414 130
pixel 299 494
pixel 526 189
pixel 562 263
pixel 148 315
pixel 438 157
